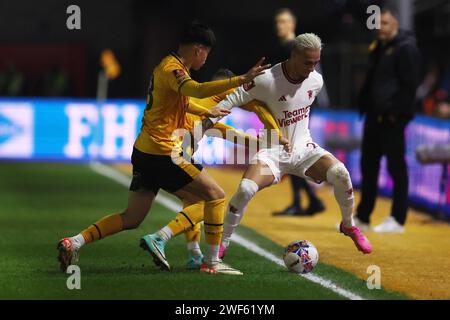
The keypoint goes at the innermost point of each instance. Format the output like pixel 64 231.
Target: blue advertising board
pixel 73 130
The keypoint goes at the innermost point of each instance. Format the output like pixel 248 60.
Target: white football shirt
pixel 289 101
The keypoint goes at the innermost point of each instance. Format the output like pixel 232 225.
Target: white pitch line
pixel 251 246
pixel 166 201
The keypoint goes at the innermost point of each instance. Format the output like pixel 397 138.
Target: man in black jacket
pixel 387 99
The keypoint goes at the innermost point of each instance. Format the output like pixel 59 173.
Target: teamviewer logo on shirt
pixel 16 130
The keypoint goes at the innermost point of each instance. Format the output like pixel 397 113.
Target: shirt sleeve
pixel 322 97
pixel 408 67
pixel 242 95
pixel 176 75
pixel 180 81
pixel 192 88
pixel 264 115
pixel 239 97
pixel 219 97
pixel 319 86
pixel 237 137
pixel 196 108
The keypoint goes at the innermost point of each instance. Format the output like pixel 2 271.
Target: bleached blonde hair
pixel 308 41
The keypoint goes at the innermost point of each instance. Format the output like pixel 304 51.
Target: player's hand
pixel 286 145
pixel 217 111
pixel 257 70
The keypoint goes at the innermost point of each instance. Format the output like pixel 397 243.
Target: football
pixel 300 256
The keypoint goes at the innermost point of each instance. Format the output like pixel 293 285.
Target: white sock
pixel 211 256
pixel 165 233
pixel 231 221
pixel 347 217
pixel 77 241
pixel 194 248
pixel 246 190
pixel 339 177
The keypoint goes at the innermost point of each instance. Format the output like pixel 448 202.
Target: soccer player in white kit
pixel 289 89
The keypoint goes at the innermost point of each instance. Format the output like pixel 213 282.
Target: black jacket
pixel 392 79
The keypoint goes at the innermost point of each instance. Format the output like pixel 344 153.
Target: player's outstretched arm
pixel 232 134
pixel 268 120
pixel 264 115
pixel 200 110
pixel 192 88
pixel 238 97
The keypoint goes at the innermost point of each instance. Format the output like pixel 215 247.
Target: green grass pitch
pixel 43 202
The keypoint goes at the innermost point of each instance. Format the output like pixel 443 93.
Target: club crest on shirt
pixel 249 85
pixel 310 93
pixel 178 73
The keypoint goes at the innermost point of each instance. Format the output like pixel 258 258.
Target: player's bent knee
pixel 247 190
pixel 339 177
pixel 338 173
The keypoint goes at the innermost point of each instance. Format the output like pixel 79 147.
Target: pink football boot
pixel 361 242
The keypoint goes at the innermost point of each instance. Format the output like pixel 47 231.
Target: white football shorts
pixel 297 163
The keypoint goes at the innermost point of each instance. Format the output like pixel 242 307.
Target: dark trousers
pixel 383 137
pixel 298 183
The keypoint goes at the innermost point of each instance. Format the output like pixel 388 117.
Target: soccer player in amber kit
pixel 157 160
pixel 192 231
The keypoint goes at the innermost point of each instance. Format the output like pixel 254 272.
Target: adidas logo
pixel 282 98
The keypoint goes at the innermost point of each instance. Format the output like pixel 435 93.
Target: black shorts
pixel 152 172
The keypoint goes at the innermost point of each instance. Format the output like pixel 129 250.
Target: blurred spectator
pixel 285 25
pixel 443 110
pixel 387 98
pixel 12 82
pixel 433 93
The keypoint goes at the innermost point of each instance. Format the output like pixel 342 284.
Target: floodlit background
pixel 55 112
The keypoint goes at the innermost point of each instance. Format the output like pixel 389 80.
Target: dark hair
pixel 198 32
pixel 285 10
pixel 222 73
pixel 390 8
